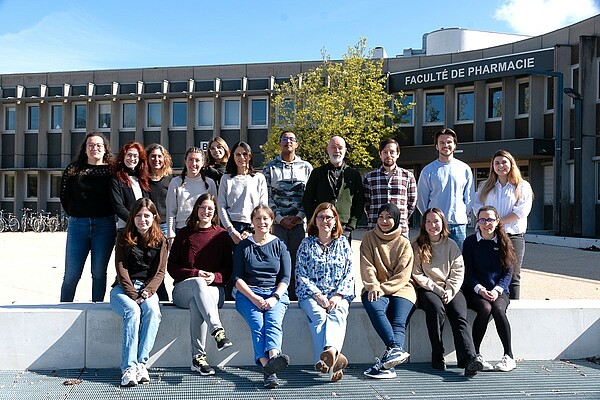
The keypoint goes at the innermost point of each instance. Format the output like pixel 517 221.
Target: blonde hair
pixel 514 177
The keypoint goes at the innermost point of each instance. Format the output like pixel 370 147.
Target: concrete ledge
pixel 562 241
pixel 88 335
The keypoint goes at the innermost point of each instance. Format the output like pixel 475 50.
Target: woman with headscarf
pixel 386 260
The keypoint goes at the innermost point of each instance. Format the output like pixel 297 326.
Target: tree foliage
pixel 345 98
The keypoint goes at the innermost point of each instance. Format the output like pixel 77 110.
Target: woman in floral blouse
pixel 325 287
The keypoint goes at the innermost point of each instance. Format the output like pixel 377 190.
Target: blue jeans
pixel 328 329
pixel 389 316
pixel 265 326
pixel 458 233
pixel 140 324
pixel 85 235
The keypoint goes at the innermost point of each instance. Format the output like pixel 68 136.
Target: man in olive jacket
pixel 336 183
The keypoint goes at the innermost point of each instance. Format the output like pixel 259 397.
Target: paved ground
pixel 32 266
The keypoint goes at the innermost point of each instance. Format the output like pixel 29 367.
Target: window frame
pixel 5 127
pixel 28 119
pixel 436 92
pixel 14 184
pixel 54 175
pixel 489 89
pixel 128 128
pixel 250 112
pixel 147 115
pixel 546 97
pixel 75 106
pixel 224 101
pixel 574 82
pixel 99 106
pixel 410 114
pixel 37 183
pixel 172 115
pixel 197 124
pixel 518 84
pixel 51 126
pixel 464 90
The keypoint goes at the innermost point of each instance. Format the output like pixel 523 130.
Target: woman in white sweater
pixel 439 272
pixel 185 189
pixel 240 190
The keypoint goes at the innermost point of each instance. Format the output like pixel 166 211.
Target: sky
pixel 71 35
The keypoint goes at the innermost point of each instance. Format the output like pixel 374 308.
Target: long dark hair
pixel 231 167
pixel 195 150
pixel 423 241
pixel 507 251
pixel 81 158
pixel 141 169
pixel 130 233
pixel 193 220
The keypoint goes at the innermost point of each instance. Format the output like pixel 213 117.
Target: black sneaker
pixel 474 365
pixel 276 364
pixel 440 365
pixel 271 381
pixel 221 339
pixel 199 364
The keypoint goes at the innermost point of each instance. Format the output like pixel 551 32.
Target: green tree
pixel 345 98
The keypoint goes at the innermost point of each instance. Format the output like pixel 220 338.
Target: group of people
pixel 223 230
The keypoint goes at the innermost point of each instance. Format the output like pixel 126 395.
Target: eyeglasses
pixel 286 139
pixel 486 220
pixel 324 218
pixel 92 146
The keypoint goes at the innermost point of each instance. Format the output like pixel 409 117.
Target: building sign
pixel 489 68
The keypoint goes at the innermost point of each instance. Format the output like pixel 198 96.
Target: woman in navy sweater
pixel 489 259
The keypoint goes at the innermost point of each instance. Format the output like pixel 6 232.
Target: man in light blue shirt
pixel 447 184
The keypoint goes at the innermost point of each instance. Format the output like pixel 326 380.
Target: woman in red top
pixel 200 264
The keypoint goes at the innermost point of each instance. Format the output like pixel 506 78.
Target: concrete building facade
pixel 504 97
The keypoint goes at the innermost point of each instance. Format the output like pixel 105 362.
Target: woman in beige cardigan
pixel 386 259
pixel 439 272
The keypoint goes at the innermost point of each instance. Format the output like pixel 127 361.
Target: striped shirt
pixel 397 187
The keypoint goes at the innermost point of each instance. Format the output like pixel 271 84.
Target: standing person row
pixel 511 195
pixel 286 178
pixel 447 184
pixel 185 189
pixel 140 261
pixel 390 184
pixel 85 197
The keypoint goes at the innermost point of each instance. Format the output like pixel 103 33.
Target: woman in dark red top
pixel 200 264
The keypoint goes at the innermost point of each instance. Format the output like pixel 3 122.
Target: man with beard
pixel 390 184
pixel 338 184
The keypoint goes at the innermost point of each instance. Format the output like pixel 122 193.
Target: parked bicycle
pixel 43 221
pixel 27 219
pixel 8 222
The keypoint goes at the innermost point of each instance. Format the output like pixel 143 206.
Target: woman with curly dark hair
pixel 489 259
pixel 85 197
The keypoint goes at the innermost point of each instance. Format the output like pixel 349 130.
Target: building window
pixel 258 113
pixel 407 118
pixel 8 186
pixel 597 182
pixel 434 108
pixel 179 114
pixel 494 102
pixel 205 111
pixel 80 116
pixel 154 115
pixel 465 106
pixel 231 113
pixel 55 181
pixel 550 93
pixel 129 115
pixel 285 113
pixel 548 184
pixel 523 98
pixel 9 118
pixel 55 117
pixel 104 116
pixel 33 113
pixel 32 190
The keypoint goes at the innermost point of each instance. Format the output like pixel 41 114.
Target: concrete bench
pixel 78 335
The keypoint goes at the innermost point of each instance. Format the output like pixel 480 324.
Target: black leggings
pixel 484 310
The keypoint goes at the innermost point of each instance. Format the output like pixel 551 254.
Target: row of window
pixel 230 115
pixel 31 188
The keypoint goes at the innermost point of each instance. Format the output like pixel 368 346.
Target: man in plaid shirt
pixel 390 184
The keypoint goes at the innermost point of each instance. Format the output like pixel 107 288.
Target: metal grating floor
pixel 578 379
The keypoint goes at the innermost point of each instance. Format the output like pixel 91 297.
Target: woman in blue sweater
pixel 261 273
pixel 489 258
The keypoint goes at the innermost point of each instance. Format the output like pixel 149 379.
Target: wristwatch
pixel 276 295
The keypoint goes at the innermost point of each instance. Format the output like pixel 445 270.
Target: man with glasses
pixel 390 184
pixel 286 177
pixel 338 184
pixel 447 184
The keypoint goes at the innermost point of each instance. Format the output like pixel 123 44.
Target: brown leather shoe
pixel 337 372
pixel 328 357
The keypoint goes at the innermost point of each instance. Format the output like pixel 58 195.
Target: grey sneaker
pixel 270 381
pixel 221 339
pixel 199 364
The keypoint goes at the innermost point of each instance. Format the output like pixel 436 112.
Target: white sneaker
pixel 506 364
pixel 486 365
pixel 142 375
pixel 129 377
